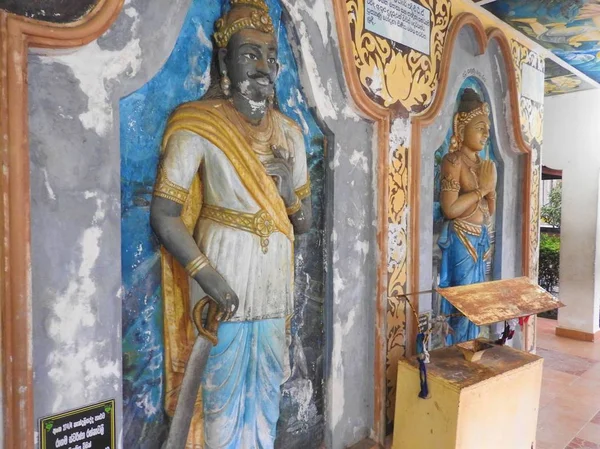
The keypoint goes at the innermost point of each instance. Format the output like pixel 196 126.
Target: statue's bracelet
pixel 294 207
pixel 194 267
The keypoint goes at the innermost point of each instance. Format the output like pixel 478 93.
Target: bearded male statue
pixel 231 192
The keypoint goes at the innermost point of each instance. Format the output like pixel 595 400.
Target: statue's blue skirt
pixel 241 386
pixel 465 249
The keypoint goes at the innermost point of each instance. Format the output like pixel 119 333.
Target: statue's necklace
pixel 470 162
pixel 472 165
pixel 259 136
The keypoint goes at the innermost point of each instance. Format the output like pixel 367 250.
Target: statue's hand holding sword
pixel 222 305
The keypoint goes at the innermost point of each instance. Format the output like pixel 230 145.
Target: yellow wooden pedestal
pixel 490 404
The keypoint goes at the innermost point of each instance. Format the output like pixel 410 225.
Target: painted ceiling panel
pixel 569 28
pixel 559 80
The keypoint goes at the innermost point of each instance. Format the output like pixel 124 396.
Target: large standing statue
pixel 468 199
pixel 231 192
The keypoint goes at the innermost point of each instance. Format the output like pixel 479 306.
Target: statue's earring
pixel 453 145
pixel 225 84
pixel 271 99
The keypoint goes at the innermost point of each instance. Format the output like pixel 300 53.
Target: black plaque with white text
pixel 91 427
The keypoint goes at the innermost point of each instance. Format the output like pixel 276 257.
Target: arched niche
pixel 186 76
pixel 471 54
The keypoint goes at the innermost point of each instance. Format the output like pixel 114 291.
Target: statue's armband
pixel 303 191
pixel 450 173
pixel 167 189
pixel 449 184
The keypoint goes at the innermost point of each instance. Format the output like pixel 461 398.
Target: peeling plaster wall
pixel 353 224
pixel 75 189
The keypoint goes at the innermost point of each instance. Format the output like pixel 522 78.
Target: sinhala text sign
pixel 402 21
pixel 91 427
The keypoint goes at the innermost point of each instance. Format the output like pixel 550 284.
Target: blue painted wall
pixel 185 77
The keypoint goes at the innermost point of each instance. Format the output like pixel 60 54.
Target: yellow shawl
pixel 207 119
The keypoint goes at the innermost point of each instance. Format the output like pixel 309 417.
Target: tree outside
pixel 549 266
pixel 551 210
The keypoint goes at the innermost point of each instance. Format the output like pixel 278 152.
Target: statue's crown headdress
pixel 244 14
pixel 462 119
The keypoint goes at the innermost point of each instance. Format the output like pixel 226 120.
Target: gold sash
pixel 464 228
pixel 207 119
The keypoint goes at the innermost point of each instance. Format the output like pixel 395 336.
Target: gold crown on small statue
pixel 462 119
pixel 244 14
pixel 466 117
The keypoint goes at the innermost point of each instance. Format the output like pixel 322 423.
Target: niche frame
pixel 383 118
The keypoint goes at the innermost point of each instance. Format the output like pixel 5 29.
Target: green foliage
pixel 549 261
pixel 551 211
pixel 550 242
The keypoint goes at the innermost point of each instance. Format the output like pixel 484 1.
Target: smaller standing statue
pixel 468 199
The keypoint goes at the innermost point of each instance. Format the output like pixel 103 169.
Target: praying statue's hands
pixel 280 168
pixel 219 291
pixel 488 177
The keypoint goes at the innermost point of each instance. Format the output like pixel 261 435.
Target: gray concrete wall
pixel 75 187
pixel 352 223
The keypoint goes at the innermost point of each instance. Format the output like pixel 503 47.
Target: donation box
pixel 481 395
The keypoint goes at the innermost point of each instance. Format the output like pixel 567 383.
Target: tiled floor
pixel 570 403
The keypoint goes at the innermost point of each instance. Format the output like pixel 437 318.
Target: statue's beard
pixel 257 95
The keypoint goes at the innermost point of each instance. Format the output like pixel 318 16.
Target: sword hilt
pixel 212 323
